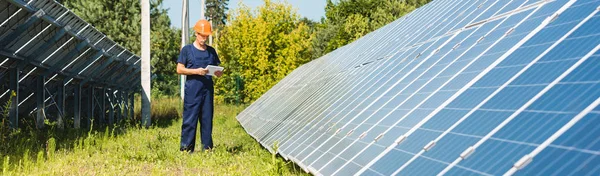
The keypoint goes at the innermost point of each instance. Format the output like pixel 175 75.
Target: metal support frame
pixel 131 101
pixel 90 107
pixel 64 66
pixel 76 106
pixel 40 95
pixel 111 107
pixel 123 107
pixel 60 104
pixel 118 104
pixel 14 103
pixel 125 104
pixel 103 106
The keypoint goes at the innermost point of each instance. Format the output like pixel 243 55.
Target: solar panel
pixel 470 87
pixel 49 55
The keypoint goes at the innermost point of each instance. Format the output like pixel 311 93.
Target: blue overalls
pixel 198 97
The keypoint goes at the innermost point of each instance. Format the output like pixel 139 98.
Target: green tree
pixel 261 46
pixel 121 22
pixel 348 20
pixel 216 12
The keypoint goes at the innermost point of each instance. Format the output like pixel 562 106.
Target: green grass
pixel 128 149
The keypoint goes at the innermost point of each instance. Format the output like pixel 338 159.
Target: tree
pixel 261 46
pixel 348 20
pixel 120 21
pixel 216 12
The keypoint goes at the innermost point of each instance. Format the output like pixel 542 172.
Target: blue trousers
pixel 197 106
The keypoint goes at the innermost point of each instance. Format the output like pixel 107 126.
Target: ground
pixel 132 150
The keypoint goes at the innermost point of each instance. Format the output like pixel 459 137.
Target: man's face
pixel 201 39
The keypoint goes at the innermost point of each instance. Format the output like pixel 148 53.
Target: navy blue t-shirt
pixel 192 57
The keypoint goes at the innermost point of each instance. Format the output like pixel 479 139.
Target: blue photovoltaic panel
pixel 455 87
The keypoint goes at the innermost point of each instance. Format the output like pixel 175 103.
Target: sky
pixel 312 9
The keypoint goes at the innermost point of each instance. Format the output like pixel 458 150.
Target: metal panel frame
pixel 68 56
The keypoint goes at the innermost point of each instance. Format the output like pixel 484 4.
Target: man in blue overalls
pixel 199 90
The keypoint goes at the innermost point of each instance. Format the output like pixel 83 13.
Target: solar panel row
pixel 53 57
pixel 470 87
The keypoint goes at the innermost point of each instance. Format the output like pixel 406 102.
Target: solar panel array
pixel 60 66
pixel 469 87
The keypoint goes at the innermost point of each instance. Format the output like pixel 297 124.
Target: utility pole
pixel 185 34
pixel 185 26
pixel 146 106
pixel 202 10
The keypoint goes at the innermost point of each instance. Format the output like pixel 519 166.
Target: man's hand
pixel 192 71
pixel 201 71
pixel 218 73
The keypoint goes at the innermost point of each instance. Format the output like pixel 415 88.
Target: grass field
pixel 127 149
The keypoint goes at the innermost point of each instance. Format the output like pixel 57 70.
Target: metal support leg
pixel 14 96
pixel 118 103
pixel 103 105
pixel 122 103
pixel 125 105
pixel 40 95
pixel 90 107
pixel 60 104
pixel 111 108
pixel 131 101
pixel 77 106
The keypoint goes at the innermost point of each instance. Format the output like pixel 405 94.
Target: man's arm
pixel 190 71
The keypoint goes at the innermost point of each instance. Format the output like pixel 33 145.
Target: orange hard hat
pixel 203 27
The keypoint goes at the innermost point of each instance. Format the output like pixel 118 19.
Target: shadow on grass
pixel 165 123
pixel 26 142
pixel 234 149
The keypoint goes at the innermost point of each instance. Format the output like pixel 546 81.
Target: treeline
pixel 258 47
